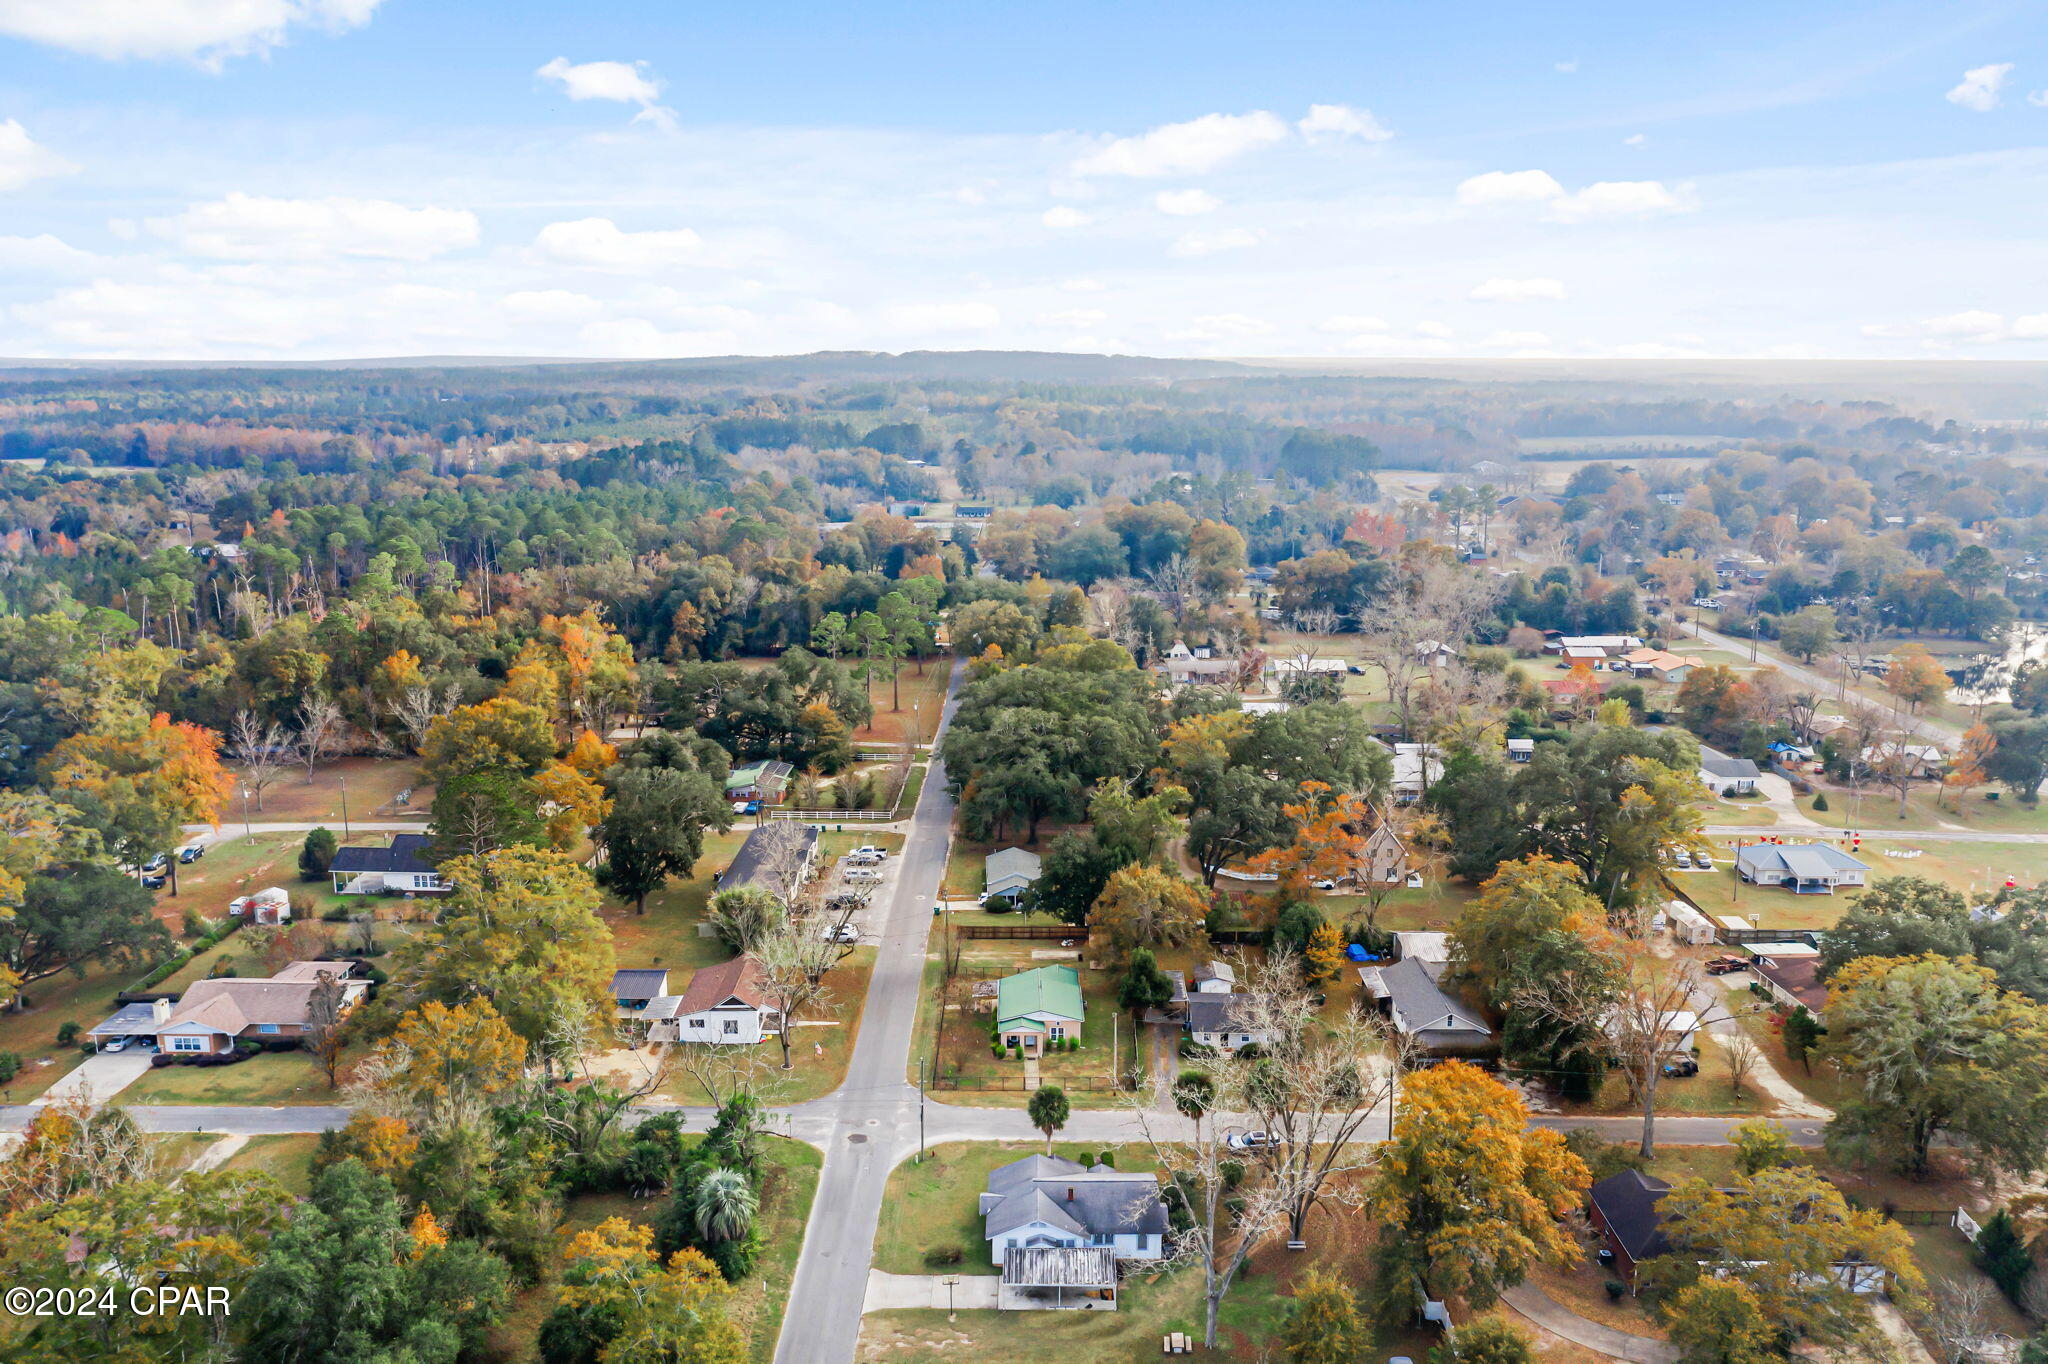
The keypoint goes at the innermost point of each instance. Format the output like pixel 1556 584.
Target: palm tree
pixel 1048 1110
pixel 724 1206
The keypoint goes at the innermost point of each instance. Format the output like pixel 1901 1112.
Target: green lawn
pixel 270 1078
pixel 286 1158
pixel 372 784
pixel 1974 868
pixel 1879 813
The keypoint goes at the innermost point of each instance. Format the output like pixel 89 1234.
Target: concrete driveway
pixel 889 1291
pixel 99 1077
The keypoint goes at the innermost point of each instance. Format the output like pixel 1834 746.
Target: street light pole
pixel 344 805
pixel 922 1062
pixel 248 829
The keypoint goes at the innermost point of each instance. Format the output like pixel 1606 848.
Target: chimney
pixel 1070 1193
pixel 160 1011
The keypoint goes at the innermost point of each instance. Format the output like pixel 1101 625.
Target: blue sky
pixel 322 178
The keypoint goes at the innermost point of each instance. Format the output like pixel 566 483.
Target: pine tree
pixel 2002 1255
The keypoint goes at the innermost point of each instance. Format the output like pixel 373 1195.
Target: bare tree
pixel 323 1031
pixel 1744 1057
pixel 1177 583
pixel 1436 608
pixel 1316 1089
pixel 320 726
pixel 1646 1027
pixel 417 709
pixel 1959 1319
pixel 264 749
pixel 78 1149
pixel 795 956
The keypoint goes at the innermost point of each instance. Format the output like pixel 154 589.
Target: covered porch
pixel 1058 1278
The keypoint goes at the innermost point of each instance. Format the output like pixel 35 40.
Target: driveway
pixel 1554 1317
pixel 890 1291
pixel 98 1078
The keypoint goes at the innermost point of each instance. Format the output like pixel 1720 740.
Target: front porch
pixel 1058 1278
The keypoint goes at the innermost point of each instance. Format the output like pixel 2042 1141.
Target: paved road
pixel 1945 734
pixel 235 828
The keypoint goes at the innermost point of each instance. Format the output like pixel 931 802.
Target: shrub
pixel 1615 1288
pixel 67 1033
pixel 194 922
pixel 736 1258
pixel 1106 1158
pixel 1017 1053
pixel 10 1066
pixel 162 1059
pixel 1820 800
pixel 938 1257
pixel 998 1049
pixel 317 854
pixel 337 914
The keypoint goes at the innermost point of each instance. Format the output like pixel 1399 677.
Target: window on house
pixel 1100 1240
pixel 188 1044
pixel 266 1027
pixel 696 1022
pixel 732 1025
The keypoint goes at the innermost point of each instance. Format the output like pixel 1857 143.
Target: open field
pixel 368 787
pixel 1877 812
pixel 921 699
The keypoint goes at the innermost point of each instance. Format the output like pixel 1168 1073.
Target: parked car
pixel 870 850
pixel 191 853
pixel 1254 1141
pixel 155 882
pixel 1681 857
pixel 157 863
pixel 841 933
pixel 1721 966
pixel 863 874
pixel 1703 861
pixel 118 1044
pixel 1681 1067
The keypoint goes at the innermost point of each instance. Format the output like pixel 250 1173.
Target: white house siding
pixel 1128 1245
pixel 710 1026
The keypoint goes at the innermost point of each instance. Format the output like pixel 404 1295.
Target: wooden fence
pixel 1016 1084
pixel 1033 932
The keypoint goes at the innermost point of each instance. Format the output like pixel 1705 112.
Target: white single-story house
pixel 725 1005
pixel 1721 774
pixel 1192 671
pixel 1039 1006
pixel 1301 665
pixel 1803 868
pixel 400 869
pixel 1592 646
pixel 1218 1020
pixel 1009 872
pixel 1675 1028
pixel 1043 1201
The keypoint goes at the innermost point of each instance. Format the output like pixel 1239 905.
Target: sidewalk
pixel 1560 1320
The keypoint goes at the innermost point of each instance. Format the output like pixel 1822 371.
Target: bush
pixel 735 1259
pixel 317 854
pixel 998 1049
pixel 1820 801
pixel 337 914
pixel 10 1066
pixel 1615 1289
pixel 1106 1158
pixel 195 923
pixel 938 1257
pixel 1017 1053
pixel 67 1033
pixel 162 1059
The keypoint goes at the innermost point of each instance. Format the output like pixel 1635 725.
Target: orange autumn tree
pixel 1467 1196
pixel 1971 766
pixel 1331 828
pixel 675 1312
pixel 152 778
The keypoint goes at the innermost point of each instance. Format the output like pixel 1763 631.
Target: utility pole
pixel 922 1061
pixel 344 805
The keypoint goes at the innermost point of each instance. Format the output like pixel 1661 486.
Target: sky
pixel 321 179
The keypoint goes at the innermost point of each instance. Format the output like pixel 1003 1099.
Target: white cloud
pixel 1622 199
pixel 23 159
pixel 550 305
pixel 1351 323
pixel 1634 140
pixel 599 244
pixel 1509 187
pixel 250 227
pixel 638 338
pixel 1190 148
pixel 1440 330
pixel 1518 290
pixel 1566 67
pixel 1222 327
pixel 1973 325
pixel 208 32
pixel 1980 87
pixel 1185 203
pixel 2038 98
pixel 942 317
pixel 1073 317
pixel 1511 340
pixel 1064 216
pixel 1191 245
pixel 1341 120
pixel 620 82
pixel 1383 344
pixel 44 254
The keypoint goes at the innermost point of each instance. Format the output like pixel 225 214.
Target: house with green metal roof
pixel 1039 1006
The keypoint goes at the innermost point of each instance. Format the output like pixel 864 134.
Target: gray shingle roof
pixel 1718 764
pixel 1419 1005
pixel 1078 1199
pixel 406 853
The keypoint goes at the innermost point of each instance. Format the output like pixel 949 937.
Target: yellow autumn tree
pixel 672 1314
pixel 1325 955
pixel 1467 1196
pixel 571 803
pixel 425 1234
pixel 1145 906
pixel 444 1061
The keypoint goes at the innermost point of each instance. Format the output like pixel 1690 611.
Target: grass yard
pixel 931 1206
pixel 759 1303
pixel 174 1152
pixel 1879 813
pixel 1708 1093
pixel 934 1204
pixel 1974 868
pixel 267 1079
pixel 964 1052
pixel 286 1158
pixel 1824 1085
pixel 921 699
pixel 822 1045
pixel 372 787
pixel 1437 905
